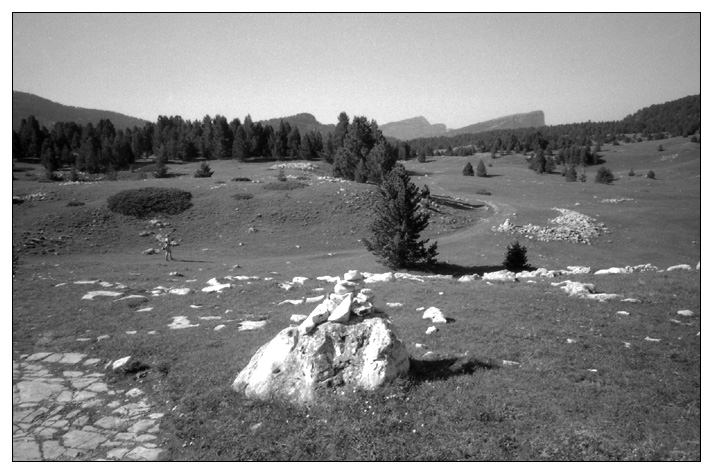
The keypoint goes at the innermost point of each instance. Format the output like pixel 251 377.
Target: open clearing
pixel 562 378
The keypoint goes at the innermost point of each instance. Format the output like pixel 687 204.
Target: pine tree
pixel 515 258
pixel 481 169
pixel 398 224
pixel 468 169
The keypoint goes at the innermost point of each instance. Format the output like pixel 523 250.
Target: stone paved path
pixel 55 399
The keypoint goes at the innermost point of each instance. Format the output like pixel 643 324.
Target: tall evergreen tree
pixel 398 224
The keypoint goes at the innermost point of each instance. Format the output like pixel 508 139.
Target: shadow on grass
pixel 444 367
pixel 452 203
pixel 457 270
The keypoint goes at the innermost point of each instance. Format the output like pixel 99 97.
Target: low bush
pixel 660 148
pixel 284 185
pixel 240 178
pixel 604 175
pixel 204 171
pixel 145 202
pixel 281 175
pixel 482 191
pixel 632 172
pixel 651 174
pixel 75 203
pixel 242 196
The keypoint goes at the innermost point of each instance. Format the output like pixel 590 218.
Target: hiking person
pixel 167 247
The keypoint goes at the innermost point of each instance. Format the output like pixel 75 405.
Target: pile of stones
pixel 570 226
pixel 345 302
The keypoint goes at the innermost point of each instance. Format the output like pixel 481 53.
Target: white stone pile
pixel 569 226
pixel 342 304
pixel 295 165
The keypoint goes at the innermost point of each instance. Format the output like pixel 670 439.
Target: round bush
pixel 144 202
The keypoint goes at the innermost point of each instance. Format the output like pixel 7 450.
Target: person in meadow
pixel 167 247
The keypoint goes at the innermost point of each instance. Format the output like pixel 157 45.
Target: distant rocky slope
pixel 48 113
pixel 304 122
pixel 413 128
pixel 419 127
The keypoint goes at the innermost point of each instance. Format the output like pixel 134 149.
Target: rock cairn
pixel 342 304
pixel 569 226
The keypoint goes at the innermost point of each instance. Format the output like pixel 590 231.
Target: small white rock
pixel 431 330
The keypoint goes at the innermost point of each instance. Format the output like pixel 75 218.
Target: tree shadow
pixel 442 367
pixel 452 203
pixel 490 175
pixel 415 173
pixel 457 270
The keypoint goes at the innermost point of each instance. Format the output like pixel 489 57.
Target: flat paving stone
pixel 38 356
pixel 144 453
pixel 36 391
pixel 51 450
pixel 72 358
pixel 82 439
pixel 25 450
pixel 117 453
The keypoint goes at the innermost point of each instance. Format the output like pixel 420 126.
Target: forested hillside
pixel 357 148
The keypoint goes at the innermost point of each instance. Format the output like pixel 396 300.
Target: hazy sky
pixel 455 69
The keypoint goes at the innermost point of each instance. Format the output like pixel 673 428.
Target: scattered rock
pixel 297 318
pixel 680 267
pixel 431 330
pixel 434 314
pixel 180 323
pixel 622 312
pixel 685 313
pixel 101 293
pixel 631 300
pixel 251 325
pixel 371 278
pixel 394 304
pixel 218 288
pixel 652 339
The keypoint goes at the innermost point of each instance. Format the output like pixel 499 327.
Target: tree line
pixel 356 148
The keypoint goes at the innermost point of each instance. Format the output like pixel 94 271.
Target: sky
pixel 455 69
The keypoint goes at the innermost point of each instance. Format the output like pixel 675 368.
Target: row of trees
pixel 357 149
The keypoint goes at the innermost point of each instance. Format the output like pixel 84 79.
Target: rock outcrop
pixel 360 353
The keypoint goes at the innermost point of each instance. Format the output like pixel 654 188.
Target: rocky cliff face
pixel 419 127
pixel 413 128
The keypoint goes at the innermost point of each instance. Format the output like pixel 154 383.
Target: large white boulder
pixel 364 353
pixel 500 276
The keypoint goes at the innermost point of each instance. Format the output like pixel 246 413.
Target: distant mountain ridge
pixel 304 123
pixel 419 127
pixel 48 113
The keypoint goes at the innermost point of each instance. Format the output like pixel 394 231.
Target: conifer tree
pixel 468 169
pixel 481 169
pixel 398 223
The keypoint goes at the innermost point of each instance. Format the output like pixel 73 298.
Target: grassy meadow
pixel 523 372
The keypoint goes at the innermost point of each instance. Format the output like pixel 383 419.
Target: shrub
pixel 75 203
pixel 281 175
pixel 481 169
pixel 660 148
pixel 482 191
pixel 468 169
pixel 650 174
pixel 242 196
pixel 632 172
pixel 144 202
pixel 111 175
pixel 204 171
pixel 604 175
pixel 73 174
pixel 571 174
pixel 161 171
pixel 422 157
pixel 397 224
pixel 515 258
pixel 694 139
pixel 284 185
pixel 240 178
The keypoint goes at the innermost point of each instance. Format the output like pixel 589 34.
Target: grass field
pixel 580 382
